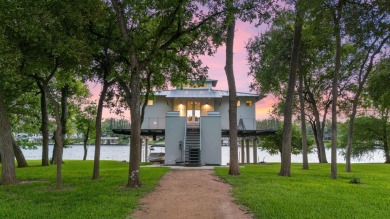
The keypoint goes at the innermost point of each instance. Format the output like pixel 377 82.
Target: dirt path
pixel 190 194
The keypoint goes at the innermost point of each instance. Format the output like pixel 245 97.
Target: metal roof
pixel 200 93
pixel 224 93
pixel 193 94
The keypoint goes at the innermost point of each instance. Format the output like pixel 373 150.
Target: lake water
pixel 121 153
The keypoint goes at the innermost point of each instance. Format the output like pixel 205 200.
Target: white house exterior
pixel 194 119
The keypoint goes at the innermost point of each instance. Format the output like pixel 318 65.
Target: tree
pixel 305 162
pixel 273 143
pixel 269 58
pixel 50 37
pixel 149 31
pixel 285 168
pixel 369 135
pixel 230 19
pixel 368 29
pixel 335 93
pixel 85 123
pixel 104 34
pixel 44 123
pixel 8 173
pixel 379 91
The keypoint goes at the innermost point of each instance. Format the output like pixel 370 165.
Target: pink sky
pixel 216 64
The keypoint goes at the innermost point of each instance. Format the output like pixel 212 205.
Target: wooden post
pixel 254 150
pixel 247 151
pixel 146 150
pixel 242 151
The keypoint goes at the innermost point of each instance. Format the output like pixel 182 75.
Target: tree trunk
pixel 350 136
pixel 385 141
pixel 63 117
pixel 98 134
pixel 233 162
pixel 19 155
pixel 54 157
pixel 318 129
pixel 86 137
pixel 314 128
pixel 285 168
pixel 44 127
pixel 64 112
pixel 134 179
pixel 335 84
pixel 59 152
pixel 58 137
pixel 305 162
pixel 320 138
pixel 8 172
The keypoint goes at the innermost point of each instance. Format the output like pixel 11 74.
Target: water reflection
pixel 121 153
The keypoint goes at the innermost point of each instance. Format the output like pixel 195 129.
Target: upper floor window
pixel 150 102
pixel 248 102
pixel 238 103
pixel 205 85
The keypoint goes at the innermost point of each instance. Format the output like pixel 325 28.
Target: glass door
pixel 193 111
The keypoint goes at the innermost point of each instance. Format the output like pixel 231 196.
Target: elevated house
pixel 193 120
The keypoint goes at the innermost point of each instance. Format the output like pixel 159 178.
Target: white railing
pixel 183 152
pixel 200 138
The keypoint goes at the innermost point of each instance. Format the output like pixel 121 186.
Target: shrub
pixel 355 180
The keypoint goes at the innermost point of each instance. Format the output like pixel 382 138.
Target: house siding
pixel 155 114
pixel 211 139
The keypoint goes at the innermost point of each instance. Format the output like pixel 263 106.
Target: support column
pixel 255 150
pixel 247 151
pixel 146 150
pixel 242 151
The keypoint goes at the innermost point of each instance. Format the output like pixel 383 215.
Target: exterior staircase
pixel 192 150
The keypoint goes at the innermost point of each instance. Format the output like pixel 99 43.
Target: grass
pixel 311 193
pixel 81 196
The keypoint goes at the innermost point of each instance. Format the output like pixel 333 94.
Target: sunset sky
pixel 216 63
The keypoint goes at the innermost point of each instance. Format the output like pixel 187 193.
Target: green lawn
pixel 81 196
pixel 311 193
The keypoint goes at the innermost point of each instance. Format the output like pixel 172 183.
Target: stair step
pixel 192 151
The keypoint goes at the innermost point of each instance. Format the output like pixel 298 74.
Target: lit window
pixel 150 102
pixel 238 103
pixel 249 102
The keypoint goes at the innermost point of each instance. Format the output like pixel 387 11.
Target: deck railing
pixel 267 125
pixel 149 123
pixel 252 124
pixel 159 123
pixel 119 124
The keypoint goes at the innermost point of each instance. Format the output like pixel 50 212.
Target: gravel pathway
pixel 190 194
